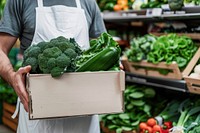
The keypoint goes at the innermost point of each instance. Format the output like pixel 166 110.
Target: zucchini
pixel 102 61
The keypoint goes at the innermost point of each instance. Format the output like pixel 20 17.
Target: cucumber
pixel 102 61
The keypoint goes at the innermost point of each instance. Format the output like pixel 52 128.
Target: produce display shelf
pixel 187 13
pixel 172 84
pixel 129 17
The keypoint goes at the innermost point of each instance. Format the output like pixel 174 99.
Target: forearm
pixel 6 68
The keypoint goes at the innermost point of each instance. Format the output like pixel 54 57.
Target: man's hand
pixel 16 79
pixel 18 83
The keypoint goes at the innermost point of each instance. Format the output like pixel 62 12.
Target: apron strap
pixel 40 3
pixel 17 109
pixel 78 3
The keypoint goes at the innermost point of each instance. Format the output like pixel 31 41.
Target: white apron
pixel 52 22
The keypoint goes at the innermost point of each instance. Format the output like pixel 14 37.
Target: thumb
pixel 24 70
pixel 27 68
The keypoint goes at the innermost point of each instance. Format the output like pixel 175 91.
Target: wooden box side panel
pixel 193 85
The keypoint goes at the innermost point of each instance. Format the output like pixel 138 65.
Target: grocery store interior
pixel 159 42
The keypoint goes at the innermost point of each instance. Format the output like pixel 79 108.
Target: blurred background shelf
pixel 176 85
pixel 187 13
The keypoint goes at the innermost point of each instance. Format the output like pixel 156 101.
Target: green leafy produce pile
pixel 166 48
pixel 153 4
pixel 171 47
pixel 138 107
pixel 195 2
pixel 142 103
pixel 175 5
pixel 140 47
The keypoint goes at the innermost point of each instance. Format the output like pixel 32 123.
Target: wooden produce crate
pixel 106 130
pixel 193 84
pixel 142 66
pixel 8 111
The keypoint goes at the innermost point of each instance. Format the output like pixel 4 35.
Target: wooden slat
pixel 159 65
pixel 8 111
pixel 8 107
pixel 129 66
pixel 193 85
pixel 192 63
pixel 9 123
pixel 8 116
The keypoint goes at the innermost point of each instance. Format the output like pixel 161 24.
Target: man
pixel 33 21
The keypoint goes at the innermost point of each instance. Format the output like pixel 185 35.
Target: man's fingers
pixel 24 102
pixel 23 95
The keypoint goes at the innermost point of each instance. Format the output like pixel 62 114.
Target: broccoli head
pixel 32 61
pixel 55 57
pixel 77 47
pixel 59 39
pixel 52 52
pixel 32 51
pixel 42 45
pixel 42 60
pixel 56 72
pixel 71 53
pixel 63 43
pixel 63 61
pixel 51 63
pixel 31 57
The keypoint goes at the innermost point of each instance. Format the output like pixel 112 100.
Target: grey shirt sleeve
pixel 10 22
pixel 97 25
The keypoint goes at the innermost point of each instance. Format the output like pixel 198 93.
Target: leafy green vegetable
pixel 171 47
pixel 175 4
pixel 137 109
pixel 137 95
pixel 187 109
pixel 140 47
pixel 154 4
pixel 167 48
